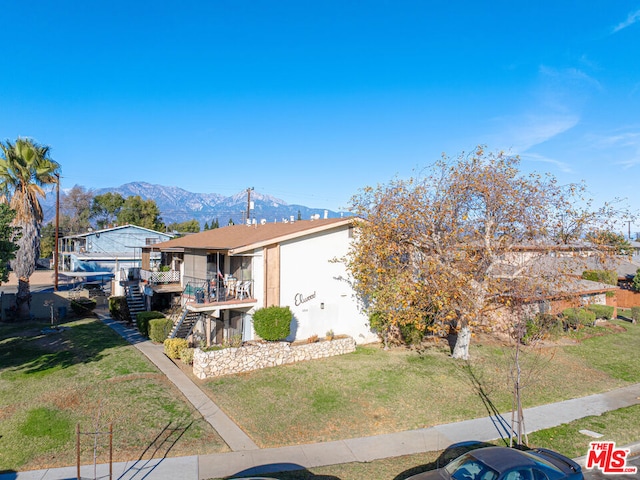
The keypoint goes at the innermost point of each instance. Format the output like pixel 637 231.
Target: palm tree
pixel 25 167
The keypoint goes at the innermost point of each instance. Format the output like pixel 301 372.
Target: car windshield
pixel 467 467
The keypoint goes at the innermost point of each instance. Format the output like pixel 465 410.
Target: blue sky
pixel 310 101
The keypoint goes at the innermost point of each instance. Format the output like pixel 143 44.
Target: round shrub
pixel 159 329
pixel 272 323
pixel 83 306
pixel 173 346
pixel 186 355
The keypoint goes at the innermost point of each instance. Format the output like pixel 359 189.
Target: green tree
pixel 47 240
pixel 105 208
pixel 215 224
pixel 25 168
pixel 143 213
pixel 618 244
pixel 75 206
pixel 206 225
pixel 190 226
pixel 635 285
pixel 8 235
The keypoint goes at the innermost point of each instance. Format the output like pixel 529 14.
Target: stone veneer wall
pixel 262 355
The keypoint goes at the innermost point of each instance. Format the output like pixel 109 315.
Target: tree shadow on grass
pixel 32 352
pixel 501 425
pixel 282 471
pixel 157 450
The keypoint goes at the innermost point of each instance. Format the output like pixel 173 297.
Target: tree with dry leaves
pixel 440 251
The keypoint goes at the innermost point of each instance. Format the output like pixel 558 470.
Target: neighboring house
pixel 109 249
pixel 554 274
pixel 222 276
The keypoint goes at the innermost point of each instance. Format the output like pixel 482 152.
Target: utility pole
pixel 56 252
pixel 249 205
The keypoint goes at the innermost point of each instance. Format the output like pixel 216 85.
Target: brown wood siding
pixel 146 260
pixel 627 298
pixel 272 275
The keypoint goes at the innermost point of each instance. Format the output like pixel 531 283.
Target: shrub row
pixel 143 318
pixel 602 311
pixel 159 329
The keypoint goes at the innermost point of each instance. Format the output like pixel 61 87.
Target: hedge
pixel 601 311
pixel 540 327
pixel 142 321
pixel 82 306
pixel 159 329
pixel 272 323
pixel 119 309
pixel 574 317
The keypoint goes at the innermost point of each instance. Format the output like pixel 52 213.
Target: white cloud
pixel 625 146
pixel 534 157
pixel 575 76
pixel 532 130
pixel 632 18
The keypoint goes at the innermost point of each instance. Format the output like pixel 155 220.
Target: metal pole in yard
pixel 78 451
pixel 110 451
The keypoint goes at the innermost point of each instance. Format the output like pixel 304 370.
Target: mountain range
pixel 178 205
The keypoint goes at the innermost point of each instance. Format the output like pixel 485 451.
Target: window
pixel 151 241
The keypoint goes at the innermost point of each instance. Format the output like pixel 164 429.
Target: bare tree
pixel 440 251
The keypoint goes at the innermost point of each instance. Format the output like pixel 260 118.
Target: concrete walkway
pixel 247 458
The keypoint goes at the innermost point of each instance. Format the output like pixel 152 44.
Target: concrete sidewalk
pixel 247 458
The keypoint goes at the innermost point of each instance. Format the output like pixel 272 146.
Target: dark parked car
pixel 502 463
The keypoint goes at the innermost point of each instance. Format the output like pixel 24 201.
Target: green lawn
pixel 372 391
pixel 87 374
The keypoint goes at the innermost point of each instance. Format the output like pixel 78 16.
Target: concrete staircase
pixel 184 326
pixel 135 300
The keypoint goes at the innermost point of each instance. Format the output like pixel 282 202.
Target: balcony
pixel 160 278
pixel 202 295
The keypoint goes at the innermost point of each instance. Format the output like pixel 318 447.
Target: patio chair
pixel 244 290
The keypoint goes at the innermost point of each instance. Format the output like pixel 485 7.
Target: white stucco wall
pixel 318 291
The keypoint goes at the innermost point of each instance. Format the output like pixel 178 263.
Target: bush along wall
pixel 575 317
pixel 173 347
pixel 159 329
pixel 143 318
pixel 272 323
pixel 602 311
